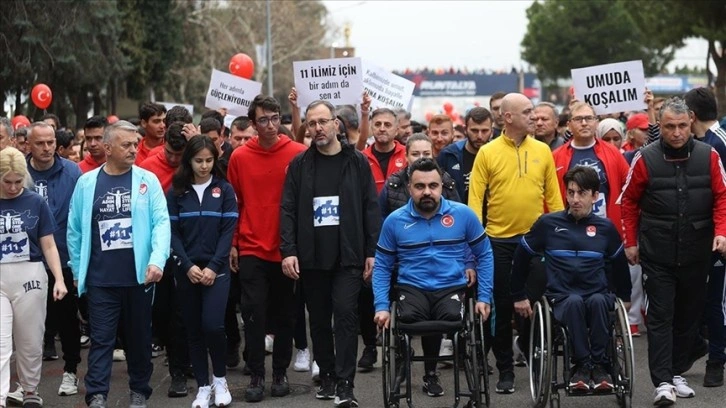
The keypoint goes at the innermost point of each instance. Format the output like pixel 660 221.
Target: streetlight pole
pixel 270 89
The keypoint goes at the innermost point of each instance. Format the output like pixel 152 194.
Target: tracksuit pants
pixel 23 293
pixel 106 305
pixel 637 296
pixel 266 293
pixel 588 325
pixel 203 310
pixel 676 300
pixel 503 304
pixel 167 323
pixel 334 294
pixel 716 311
pixel 62 316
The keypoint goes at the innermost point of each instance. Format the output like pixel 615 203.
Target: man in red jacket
pixel 257 173
pixel 93 137
pixel 386 156
pixel 674 217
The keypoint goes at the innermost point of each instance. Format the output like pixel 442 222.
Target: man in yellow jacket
pixel 515 177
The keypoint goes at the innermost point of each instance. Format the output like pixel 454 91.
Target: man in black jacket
pixel 330 245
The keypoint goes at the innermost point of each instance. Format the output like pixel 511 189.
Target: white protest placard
pixel 386 89
pixel 610 88
pixel 189 107
pixel 338 81
pixel 231 92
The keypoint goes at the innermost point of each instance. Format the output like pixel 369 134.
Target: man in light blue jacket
pixel 118 241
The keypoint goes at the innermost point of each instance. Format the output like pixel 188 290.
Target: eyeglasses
pixel 587 119
pixel 313 124
pixel 266 120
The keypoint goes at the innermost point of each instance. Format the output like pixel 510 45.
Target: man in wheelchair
pixel 584 258
pixel 428 238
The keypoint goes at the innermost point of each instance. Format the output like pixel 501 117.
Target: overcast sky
pixel 473 34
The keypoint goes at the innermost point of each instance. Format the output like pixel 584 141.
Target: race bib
pixel 14 247
pixel 115 234
pixel 325 211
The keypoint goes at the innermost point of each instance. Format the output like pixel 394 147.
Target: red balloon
pixel 448 107
pixel 112 119
pixel 242 66
pixel 19 121
pixel 41 96
pixel 429 115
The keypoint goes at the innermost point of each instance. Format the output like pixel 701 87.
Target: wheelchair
pixel 398 356
pixel 549 340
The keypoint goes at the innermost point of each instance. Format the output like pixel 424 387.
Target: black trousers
pixel 366 313
pixel 334 294
pixel 62 318
pixel 301 323
pixel 167 323
pixel 503 305
pixel 676 300
pixel 266 294
pixel 231 326
pixel 416 305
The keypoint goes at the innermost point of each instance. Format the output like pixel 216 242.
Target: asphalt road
pixel 368 388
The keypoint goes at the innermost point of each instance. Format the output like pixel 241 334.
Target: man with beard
pixel 386 156
pixel 428 239
pixel 515 174
pixel 405 130
pixel 328 246
pixel 458 159
pixel 495 104
pixel 441 132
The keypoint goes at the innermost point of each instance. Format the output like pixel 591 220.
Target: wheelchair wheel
pixel 388 364
pixel 540 354
pixel 481 359
pixel 477 377
pixel 622 344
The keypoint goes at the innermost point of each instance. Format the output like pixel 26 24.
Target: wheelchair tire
pixel 540 354
pixel 482 360
pixel 623 359
pixel 388 362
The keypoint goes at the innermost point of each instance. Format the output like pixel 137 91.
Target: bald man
pixel 516 173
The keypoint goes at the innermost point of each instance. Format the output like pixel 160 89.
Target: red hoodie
pixel 143 152
pixel 88 164
pixel 257 176
pixel 157 164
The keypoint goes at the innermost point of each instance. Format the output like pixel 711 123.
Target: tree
pixel 563 34
pixel 672 21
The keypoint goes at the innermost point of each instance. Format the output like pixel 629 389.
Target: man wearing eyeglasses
pixel 257 172
pixel 329 224
pixel 386 156
pixel 674 217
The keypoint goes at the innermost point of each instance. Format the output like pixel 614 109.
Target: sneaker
pixel 246 370
pixel 119 355
pixel 601 379
pixel 431 385
pixel 447 348
pixel 232 360
pixel 269 343
pixel 17 395
pixel 178 387
pixel 32 400
pixel 714 374
pixel 49 352
pixel 634 330
pixel 136 400
pixel 580 380
pixel 98 401
pixel 204 397
pixel 156 350
pixel 369 357
pixel 326 390
pixel 344 397
pixel 280 387
pixel 315 372
pixel 255 392
pixel 665 395
pixel 85 341
pixel 302 361
pixel 519 359
pixel 505 385
pixel 222 397
pixel 682 388
pixel 69 385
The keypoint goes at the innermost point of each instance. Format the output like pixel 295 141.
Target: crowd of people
pixel 140 237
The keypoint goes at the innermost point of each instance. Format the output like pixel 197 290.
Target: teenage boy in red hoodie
pixel 257 173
